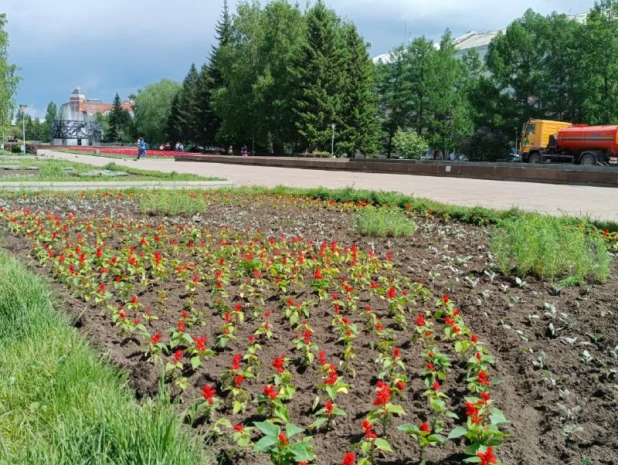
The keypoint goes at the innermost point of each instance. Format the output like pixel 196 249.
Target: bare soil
pixel 550 424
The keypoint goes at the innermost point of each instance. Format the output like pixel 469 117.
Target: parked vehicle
pixel 560 142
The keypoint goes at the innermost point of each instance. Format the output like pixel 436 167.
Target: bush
pixel 409 144
pixel 383 222
pixel 550 248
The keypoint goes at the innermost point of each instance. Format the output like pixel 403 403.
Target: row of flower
pixel 125 151
pixel 235 282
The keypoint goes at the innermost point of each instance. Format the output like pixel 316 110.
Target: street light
pixel 332 147
pixel 22 108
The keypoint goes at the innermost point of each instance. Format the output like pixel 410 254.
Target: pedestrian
pixel 244 151
pixel 181 147
pixel 139 148
pixel 177 147
pixel 230 150
pixel 168 146
pixel 142 150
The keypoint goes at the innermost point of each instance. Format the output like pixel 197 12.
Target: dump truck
pixel 546 141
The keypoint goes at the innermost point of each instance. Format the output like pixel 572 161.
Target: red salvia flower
pixel 208 392
pixel 383 396
pixel 318 274
pixel 445 299
pixel 238 380
pixel 488 457
pixel 391 293
pixel 177 356
pixel 238 428
pixel 328 407
pixel 420 320
pixel 181 327
pixel 349 459
pixel 483 378
pixel 236 362
pixel 436 386
pixel 400 385
pixel 396 353
pixel 368 429
pixel 425 428
pixel 283 439
pixel 269 391
pixel 155 339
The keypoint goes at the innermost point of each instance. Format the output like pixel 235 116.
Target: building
pixel 478 41
pixel 80 108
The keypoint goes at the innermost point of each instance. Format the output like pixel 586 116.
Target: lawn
pixel 327 327
pixel 35 170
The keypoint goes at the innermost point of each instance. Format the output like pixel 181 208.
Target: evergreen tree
pixel 358 118
pixel 50 116
pixel 319 74
pixel 8 78
pixel 115 120
pixel 181 124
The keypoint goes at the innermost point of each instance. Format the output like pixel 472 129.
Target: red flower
pixel 181 327
pixel 420 320
pixel 332 376
pixel 267 313
pixel 155 339
pixel 318 274
pixel 238 380
pixel 445 299
pixel 236 362
pixel 471 409
pixel 279 364
pixel 430 367
pixel 474 339
pixel 436 386
pixel 283 439
pixel 483 378
pixel 177 356
pixel 488 457
pixel 134 299
pixel 252 339
pixel 368 427
pixel 307 336
pixel 391 293
pixel 396 353
pixel 400 385
pixel 383 396
pixel 328 407
pixel 102 288
pixel 485 396
pixel 349 459
pixel 208 392
pixel 425 428
pixel 200 343
pixel 238 428
pixel 195 278
pixel 269 391
pixel 322 357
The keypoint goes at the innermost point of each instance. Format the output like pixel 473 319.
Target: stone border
pixel 554 174
pixel 79 186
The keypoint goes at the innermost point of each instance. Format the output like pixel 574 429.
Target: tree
pixel 8 79
pixel 358 117
pixel 409 144
pixel 318 72
pixel 51 115
pixel 391 95
pixel 152 108
pixel 115 120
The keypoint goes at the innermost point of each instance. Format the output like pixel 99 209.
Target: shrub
pixel 551 248
pixel 409 144
pixel 383 222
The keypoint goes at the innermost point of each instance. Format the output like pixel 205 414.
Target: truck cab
pixel 536 138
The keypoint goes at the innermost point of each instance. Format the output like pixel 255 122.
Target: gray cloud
pixel 122 45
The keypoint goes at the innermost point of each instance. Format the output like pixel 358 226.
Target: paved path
pixel 556 199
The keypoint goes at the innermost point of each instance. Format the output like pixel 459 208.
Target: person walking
pixel 139 148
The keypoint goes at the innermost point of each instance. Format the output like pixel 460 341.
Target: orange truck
pixel 546 141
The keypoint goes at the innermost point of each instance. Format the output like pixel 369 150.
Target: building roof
pixel 77 91
pixel 474 40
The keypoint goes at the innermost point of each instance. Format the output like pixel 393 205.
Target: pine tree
pixel 358 119
pixel 319 74
pixel 172 125
pixel 115 120
pixel 181 121
pixel 50 116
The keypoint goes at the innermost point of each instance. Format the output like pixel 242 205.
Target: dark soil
pixel 450 258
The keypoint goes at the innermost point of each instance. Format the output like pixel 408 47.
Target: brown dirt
pixel 497 310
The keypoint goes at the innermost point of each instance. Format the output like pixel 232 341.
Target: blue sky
pixel 122 45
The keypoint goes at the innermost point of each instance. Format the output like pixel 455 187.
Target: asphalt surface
pixel 556 199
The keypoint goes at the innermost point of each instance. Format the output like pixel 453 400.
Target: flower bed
pixel 312 345
pixel 129 152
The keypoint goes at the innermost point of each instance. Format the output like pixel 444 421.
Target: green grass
pixel 52 170
pixel 172 202
pixel 551 248
pixel 383 222
pixel 110 155
pixel 60 403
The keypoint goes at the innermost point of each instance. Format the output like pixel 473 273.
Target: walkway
pixel 597 202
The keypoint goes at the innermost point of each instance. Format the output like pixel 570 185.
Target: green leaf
pixel 458 432
pixel 382 444
pixel 267 428
pixel 408 428
pixel 396 409
pixel 318 423
pixel 473 460
pixel 497 417
pixel 196 362
pixel 436 438
pixel 302 452
pixel 265 443
pixel 292 430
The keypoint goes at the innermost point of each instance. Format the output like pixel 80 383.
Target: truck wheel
pixel 534 158
pixel 588 159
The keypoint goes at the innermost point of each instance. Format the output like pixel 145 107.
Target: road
pixel 555 199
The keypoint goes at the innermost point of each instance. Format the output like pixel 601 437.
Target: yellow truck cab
pixel 535 138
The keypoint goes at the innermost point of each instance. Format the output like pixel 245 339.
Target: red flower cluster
pixel 236 362
pixel 328 407
pixel 208 393
pixel 279 364
pixel 332 376
pixel 349 459
pixel 269 391
pixel 383 395
pixel 488 457
pixel 155 339
pixel 368 429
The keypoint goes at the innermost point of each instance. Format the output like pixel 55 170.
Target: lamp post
pixel 22 108
pixel 332 146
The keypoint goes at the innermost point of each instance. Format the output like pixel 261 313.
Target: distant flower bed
pixel 125 151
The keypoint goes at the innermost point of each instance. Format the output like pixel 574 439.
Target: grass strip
pixel 383 222
pixel 60 403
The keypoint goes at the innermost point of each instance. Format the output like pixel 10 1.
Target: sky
pixel 109 46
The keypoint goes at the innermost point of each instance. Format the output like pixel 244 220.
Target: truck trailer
pixel 546 141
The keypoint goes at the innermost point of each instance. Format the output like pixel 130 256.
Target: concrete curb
pixel 78 186
pixel 557 174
